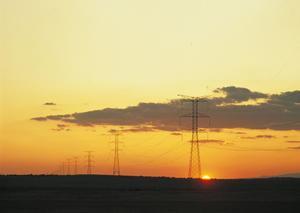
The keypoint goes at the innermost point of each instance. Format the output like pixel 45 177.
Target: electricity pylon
pixel 194 161
pixel 63 168
pixel 116 167
pixel 68 166
pixel 89 162
pixel 75 165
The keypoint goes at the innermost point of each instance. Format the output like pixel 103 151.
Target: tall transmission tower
pixel 194 160
pixel 116 167
pixel 75 165
pixel 90 162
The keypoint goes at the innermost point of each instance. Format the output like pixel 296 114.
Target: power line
pixel 155 158
pixel 152 146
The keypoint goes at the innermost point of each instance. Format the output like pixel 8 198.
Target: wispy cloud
pixel 265 136
pixel 293 141
pixel 176 133
pixel 133 129
pixel 61 127
pixel 248 137
pixel 212 141
pixel 215 130
pixel 259 136
pixel 295 147
pixel 240 133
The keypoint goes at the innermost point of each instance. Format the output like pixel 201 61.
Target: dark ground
pixel 97 193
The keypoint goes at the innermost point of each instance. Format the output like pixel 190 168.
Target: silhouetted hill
pixel 292 175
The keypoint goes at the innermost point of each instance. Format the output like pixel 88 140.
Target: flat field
pixel 99 193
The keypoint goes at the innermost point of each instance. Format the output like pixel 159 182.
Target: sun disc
pixel 206 177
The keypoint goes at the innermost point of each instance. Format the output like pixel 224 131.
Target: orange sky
pixel 38 149
pixel 90 55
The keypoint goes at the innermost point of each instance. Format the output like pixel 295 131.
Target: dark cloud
pixel 293 141
pixel 62 125
pixel 163 116
pixel 286 98
pixel 238 94
pixel 295 147
pixel 39 119
pixel 278 112
pixel 112 131
pixel 268 115
pixel 49 104
pixel 58 117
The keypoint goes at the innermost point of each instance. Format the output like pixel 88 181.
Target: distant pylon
pixel 89 162
pixel 194 161
pixel 75 165
pixel 68 166
pixel 63 168
pixel 116 167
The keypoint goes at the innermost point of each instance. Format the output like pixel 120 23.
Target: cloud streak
pixel 61 127
pixel 134 129
pixel 277 112
pixel 295 147
pixel 259 136
pixel 293 141
pixel 212 141
pixel 49 104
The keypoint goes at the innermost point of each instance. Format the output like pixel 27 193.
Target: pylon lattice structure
pixel 194 160
pixel 89 162
pixel 116 167
pixel 75 165
pixel 63 168
pixel 68 166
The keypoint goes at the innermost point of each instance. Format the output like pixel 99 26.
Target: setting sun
pixel 206 177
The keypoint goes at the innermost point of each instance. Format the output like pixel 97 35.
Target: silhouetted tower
pixel 89 162
pixel 63 168
pixel 194 161
pixel 75 165
pixel 68 166
pixel 116 168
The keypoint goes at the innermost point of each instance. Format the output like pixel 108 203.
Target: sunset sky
pixel 65 62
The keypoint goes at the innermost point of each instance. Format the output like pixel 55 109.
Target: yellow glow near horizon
pixel 206 177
